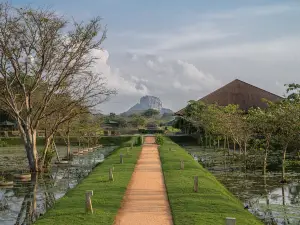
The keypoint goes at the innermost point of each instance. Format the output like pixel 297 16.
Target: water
pixel 24 202
pixel 266 197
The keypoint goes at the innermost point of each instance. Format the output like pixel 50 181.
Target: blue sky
pixel 182 50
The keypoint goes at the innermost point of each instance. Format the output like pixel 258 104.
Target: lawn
pixel 107 194
pixel 210 205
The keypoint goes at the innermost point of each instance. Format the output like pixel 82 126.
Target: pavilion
pixel 236 92
pixel 239 93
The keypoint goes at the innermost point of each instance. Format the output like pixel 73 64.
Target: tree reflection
pixel 27 214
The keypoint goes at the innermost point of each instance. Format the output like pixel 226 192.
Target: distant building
pixel 239 93
pixel 151 126
pixel 110 128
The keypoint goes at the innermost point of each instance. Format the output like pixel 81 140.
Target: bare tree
pixel 45 60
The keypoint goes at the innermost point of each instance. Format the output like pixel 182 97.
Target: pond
pixel 264 196
pixel 25 201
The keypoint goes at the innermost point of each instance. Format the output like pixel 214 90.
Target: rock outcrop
pixel 148 102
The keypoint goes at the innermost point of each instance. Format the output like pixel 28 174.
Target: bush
pixel 139 140
pixel 159 139
pixel 3 143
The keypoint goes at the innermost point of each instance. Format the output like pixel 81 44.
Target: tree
pixel 193 115
pixel 41 63
pixel 233 124
pixel 150 113
pixel 287 115
pixel 138 121
pixel 263 122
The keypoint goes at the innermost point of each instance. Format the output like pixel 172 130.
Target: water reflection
pixel 24 201
pixel 265 196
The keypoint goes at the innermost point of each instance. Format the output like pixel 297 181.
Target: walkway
pixel 145 201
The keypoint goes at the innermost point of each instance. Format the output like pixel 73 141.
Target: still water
pixel 24 202
pixel 265 196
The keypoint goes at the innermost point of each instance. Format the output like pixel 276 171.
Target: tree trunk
pixel 209 141
pixel 265 162
pixel 218 142
pixel 48 141
pixel 228 147
pixel 234 147
pixel 245 154
pixel 266 157
pixel 68 146
pixel 224 143
pixel 29 138
pixel 283 163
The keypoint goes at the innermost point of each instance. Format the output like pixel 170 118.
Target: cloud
pixel 128 88
pixel 193 56
pixel 158 42
pixel 115 78
pixel 280 49
pixel 173 81
pixel 263 10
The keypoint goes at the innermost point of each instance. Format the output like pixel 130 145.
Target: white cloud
pixel 282 49
pixel 173 81
pixel 259 44
pixel 115 77
pixel 178 38
pixel 264 10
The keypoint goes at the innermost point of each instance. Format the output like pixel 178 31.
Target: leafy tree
pixel 42 61
pixel 263 122
pixel 138 121
pixel 233 124
pixel 150 113
pixel 287 115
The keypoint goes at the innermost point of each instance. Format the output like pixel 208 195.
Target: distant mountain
pixel 148 102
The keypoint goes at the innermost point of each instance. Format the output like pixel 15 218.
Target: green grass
pixel 105 140
pixel 172 129
pixel 107 194
pixel 211 205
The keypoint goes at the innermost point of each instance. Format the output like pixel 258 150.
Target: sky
pixel 182 50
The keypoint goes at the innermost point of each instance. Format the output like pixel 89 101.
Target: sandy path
pixel 145 201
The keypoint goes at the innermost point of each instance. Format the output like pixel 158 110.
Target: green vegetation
pixel 274 129
pixel 140 140
pixel 107 194
pixel 213 202
pixel 150 113
pixel 104 140
pixel 159 139
pixel 172 129
pixel 3 143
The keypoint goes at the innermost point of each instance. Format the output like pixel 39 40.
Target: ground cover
pixel 210 205
pixel 107 194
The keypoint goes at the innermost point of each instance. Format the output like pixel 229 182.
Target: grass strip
pixel 107 197
pixel 210 205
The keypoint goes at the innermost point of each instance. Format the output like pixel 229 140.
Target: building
pixel 110 127
pixel 239 93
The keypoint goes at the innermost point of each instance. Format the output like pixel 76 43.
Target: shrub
pixel 159 139
pixel 3 143
pixel 139 140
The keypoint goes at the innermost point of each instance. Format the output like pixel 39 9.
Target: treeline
pixel 260 129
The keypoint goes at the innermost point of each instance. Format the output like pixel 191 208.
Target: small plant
pixel 2 179
pixel 3 143
pixel 140 140
pixel 159 139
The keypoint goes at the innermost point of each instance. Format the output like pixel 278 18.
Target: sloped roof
pixel 7 123
pixel 239 93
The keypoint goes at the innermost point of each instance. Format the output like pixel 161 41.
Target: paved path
pixel 145 201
